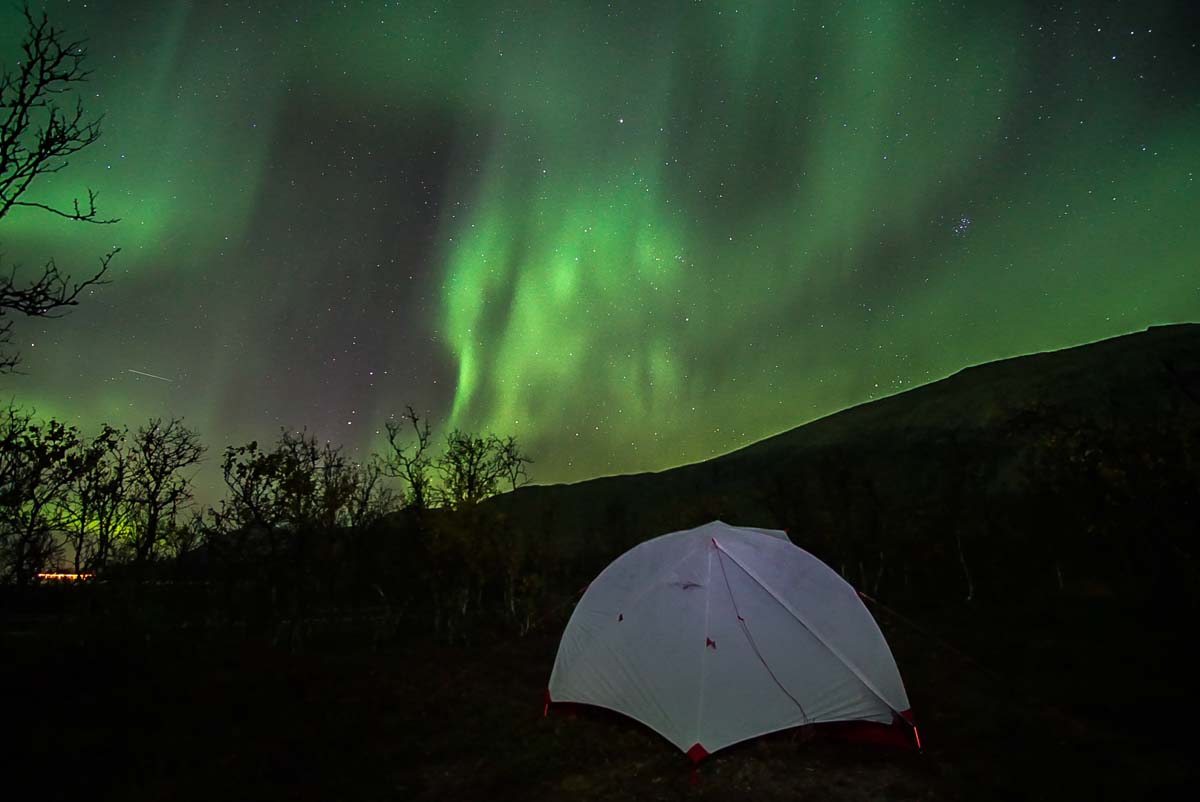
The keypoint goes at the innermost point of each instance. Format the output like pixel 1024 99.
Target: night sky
pixel 631 234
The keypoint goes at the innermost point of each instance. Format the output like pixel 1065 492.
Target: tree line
pixel 301 525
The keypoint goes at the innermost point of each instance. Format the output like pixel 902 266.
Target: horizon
pixel 629 240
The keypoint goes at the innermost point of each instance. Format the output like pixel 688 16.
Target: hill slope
pixel 1038 514
pixel 1077 468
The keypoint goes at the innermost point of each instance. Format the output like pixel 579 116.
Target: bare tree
pixel 299 485
pixel 513 462
pixel 296 488
pixel 412 462
pixel 335 487
pixel 369 499
pixel 297 461
pixel 157 491
pixel 250 477
pixel 95 510
pixel 468 471
pixel 37 136
pixel 35 474
pixel 183 538
pixel 472 467
pixel 352 495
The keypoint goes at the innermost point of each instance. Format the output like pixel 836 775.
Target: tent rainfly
pixel 718 634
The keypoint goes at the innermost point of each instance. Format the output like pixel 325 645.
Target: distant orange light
pixel 55 576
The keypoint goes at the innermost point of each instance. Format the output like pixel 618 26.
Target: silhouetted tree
pixel 37 135
pixel 157 491
pixel 352 496
pixel 337 477
pixel 35 475
pixel 297 488
pixel 410 463
pixel 470 562
pixel 271 492
pixel 368 499
pixel 513 462
pixel 294 514
pixel 94 511
pixel 183 537
pixel 251 476
pixel 472 467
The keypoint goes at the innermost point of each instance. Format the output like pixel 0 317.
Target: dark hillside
pixel 1077 468
pixel 1026 527
pixel 1039 512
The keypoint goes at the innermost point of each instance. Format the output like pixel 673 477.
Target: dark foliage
pixel 1024 530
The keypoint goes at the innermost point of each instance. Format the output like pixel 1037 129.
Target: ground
pixel 201 718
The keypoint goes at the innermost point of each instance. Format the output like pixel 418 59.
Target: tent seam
pixel 750 638
pixel 800 619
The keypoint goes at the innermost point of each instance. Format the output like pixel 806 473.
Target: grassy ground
pixel 424 721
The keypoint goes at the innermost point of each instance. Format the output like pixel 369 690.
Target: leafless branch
pixel 38 134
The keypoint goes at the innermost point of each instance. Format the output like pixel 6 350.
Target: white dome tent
pixel 717 634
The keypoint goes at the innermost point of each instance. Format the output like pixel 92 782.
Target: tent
pixel 721 633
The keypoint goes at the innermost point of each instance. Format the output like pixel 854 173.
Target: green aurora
pixel 633 235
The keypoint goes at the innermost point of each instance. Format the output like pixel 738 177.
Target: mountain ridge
pixel 994 452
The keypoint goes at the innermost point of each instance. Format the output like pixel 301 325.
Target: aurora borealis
pixel 631 234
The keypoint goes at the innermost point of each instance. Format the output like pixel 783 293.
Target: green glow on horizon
pixel 632 235
pixel 628 276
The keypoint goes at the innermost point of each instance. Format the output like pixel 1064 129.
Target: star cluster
pixel 630 234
